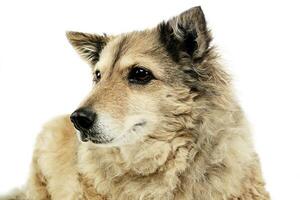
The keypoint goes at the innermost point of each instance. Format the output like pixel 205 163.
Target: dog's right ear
pixel 89 46
pixel 186 35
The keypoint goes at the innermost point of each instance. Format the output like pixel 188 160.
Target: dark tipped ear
pixel 87 45
pixel 186 35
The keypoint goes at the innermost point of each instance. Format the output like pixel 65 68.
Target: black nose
pixel 83 118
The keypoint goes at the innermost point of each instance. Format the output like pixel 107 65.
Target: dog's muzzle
pixel 84 120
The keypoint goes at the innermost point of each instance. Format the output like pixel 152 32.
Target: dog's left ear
pixel 186 35
pixel 89 46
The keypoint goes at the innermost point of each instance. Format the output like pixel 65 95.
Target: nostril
pixel 83 122
pixel 83 118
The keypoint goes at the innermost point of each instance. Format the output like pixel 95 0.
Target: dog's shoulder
pixel 55 158
pixel 56 146
pixel 57 135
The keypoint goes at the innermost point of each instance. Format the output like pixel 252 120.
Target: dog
pixel 161 122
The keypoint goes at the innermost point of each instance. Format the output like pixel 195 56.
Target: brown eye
pixel 97 76
pixel 139 75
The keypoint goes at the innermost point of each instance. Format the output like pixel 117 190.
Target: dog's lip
pixel 96 141
pixel 84 137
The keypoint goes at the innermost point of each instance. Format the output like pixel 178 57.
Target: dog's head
pixel 146 82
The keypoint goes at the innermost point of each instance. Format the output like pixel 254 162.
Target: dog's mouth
pixel 94 138
pixel 101 138
pixel 99 141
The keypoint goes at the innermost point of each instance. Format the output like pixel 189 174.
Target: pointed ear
pixel 87 45
pixel 186 35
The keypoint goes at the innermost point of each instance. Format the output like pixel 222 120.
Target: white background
pixel 41 76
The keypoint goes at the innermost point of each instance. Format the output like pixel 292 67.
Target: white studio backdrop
pixel 41 76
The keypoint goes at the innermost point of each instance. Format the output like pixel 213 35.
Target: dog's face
pixel 139 77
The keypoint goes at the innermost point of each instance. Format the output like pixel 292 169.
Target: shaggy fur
pixel 196 143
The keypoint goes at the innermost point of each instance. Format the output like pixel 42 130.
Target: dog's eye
pixel 139 75
pixel 97 76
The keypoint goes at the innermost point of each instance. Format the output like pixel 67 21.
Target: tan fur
pixel 199 147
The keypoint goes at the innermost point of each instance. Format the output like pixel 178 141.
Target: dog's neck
pixel 133 166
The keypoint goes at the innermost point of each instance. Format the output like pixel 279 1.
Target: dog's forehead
pixel 129 49
pixel 110 53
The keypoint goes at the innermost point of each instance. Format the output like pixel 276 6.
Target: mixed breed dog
pixel 161 122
